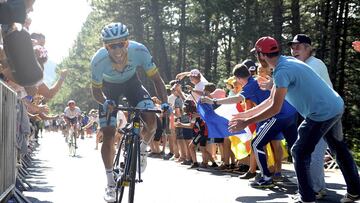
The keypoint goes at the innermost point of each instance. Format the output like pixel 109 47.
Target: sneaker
pixel 277 177
pixel 186 162
pixel 297 199
pixel 222 167
pixel 248 175
pixel 110 195
pixel 194 165
pixel 320 194
pixel 213 165
pixel 168 156
pixel 263 182
pixel 203 165
pixel 162 153
pixel 350 198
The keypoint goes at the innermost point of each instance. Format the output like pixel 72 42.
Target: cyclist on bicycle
pixel 72 114
pixel 114 74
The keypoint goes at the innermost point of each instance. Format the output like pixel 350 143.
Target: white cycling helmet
pixel 114 31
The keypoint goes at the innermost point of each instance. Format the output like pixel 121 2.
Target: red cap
pixel 266 45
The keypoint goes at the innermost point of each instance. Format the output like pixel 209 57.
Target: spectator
pixel 211 91
pixel 301 49
pixel 170 132
pixel 197 79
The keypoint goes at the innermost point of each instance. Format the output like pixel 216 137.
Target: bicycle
pixel 72 141
pixel 129 147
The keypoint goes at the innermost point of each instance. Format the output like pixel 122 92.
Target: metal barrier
pixel 8 101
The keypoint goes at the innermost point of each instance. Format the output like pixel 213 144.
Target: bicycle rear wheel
pixel 132 173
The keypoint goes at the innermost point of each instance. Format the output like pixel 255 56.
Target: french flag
pixel 217 122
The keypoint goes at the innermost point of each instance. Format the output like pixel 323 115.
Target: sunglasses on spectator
pixel 117 45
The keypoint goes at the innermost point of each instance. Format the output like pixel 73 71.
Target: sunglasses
pixel 117 45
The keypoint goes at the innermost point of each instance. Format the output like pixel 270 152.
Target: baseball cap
pixel 250 65
pixel 300 38
pixel 194 72
pixel 266 45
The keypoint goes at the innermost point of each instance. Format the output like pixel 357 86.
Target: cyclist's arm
pixel 98 94
pixel 159 86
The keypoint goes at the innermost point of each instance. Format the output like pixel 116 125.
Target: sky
pixel 60 22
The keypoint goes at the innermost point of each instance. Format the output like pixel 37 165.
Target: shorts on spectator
pixel 200 139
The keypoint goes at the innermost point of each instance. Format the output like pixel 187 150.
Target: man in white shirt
pixel 197 79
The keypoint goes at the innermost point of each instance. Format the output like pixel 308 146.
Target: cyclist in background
pixel 114 74
pixel 72 114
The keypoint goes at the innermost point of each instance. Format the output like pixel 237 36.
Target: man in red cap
pixel 317 102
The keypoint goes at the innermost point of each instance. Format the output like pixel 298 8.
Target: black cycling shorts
pixel 134 92
pixel 72 120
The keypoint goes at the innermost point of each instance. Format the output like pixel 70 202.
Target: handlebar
pixel 131 109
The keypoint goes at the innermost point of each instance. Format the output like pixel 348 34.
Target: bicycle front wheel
pixel 134 161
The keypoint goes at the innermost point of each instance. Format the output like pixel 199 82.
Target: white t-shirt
pixel 171 100
pixel 200 86
pixel 72 114
pixel 121 117
pixel 320 68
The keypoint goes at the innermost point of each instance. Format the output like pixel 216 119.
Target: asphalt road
pixel 57 177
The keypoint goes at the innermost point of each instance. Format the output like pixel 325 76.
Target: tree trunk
pixel 343 57
pixel 215 47
pixel 159 45
pixel 208 42
pixel 295 11
pixel 181 51
pixel 334 42
pixel 229 48
pixel 278 19
pixel 321 54
pixel 136 21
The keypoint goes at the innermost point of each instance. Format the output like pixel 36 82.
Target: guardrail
pixel 8 101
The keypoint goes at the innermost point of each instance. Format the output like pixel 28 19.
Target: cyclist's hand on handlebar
pixel 108 105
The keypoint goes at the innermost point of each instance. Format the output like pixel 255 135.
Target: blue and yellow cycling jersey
pixel 138 57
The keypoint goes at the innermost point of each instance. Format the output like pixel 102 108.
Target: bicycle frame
pixel 131 153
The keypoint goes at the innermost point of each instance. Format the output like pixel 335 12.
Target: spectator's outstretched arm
pixel 180 76
pixel 227 100
pixel 51 92
pixel 35 109
pixel 47 117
